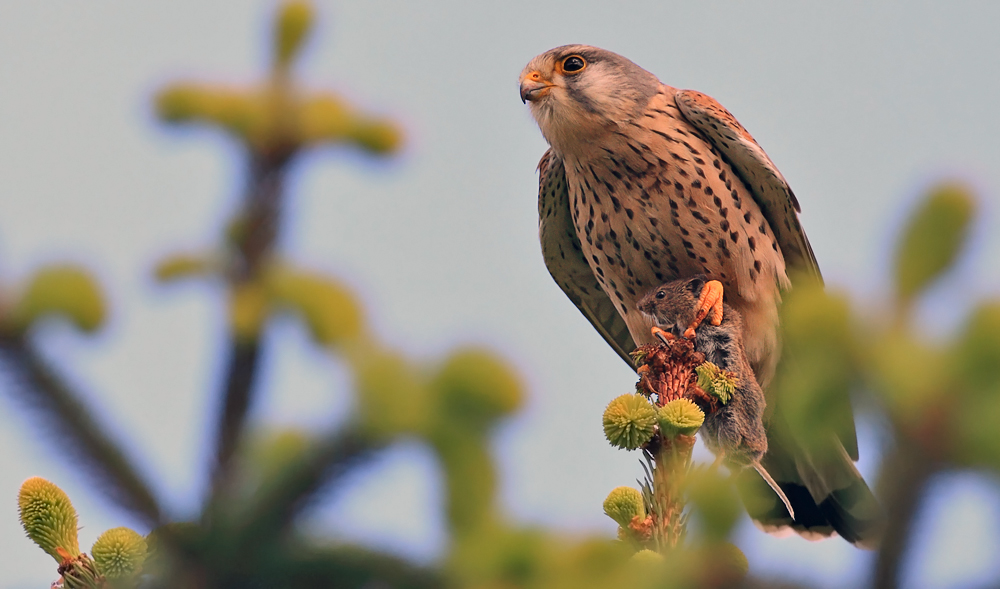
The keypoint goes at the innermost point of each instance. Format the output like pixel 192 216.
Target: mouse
pixel 735 431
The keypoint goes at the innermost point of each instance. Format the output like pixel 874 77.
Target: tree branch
pixel 261 218
pixel 81 436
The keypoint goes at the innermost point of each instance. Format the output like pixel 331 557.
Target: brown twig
pixel 255 241
pixel 270 515
pixel 73 424
pixel 902 485
pixel 667 372
pixel 673 460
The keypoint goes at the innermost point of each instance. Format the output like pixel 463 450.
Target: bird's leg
pixel 709 305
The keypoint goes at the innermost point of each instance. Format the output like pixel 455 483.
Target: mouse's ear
pixel 696 284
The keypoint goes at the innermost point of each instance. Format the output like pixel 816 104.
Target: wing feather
pixel 776 200
pixel 758 172
pixel 565 262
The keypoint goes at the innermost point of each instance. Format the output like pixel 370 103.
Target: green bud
pixel 909 374
pixel 326 118
pixel 719 383
pixel 62 290
pixel 292 27
pixel 377 136
pixel 48 517
pixel 184 266
pixel 323 118
pixel 680 417
pixel 330 311
pixel 974 441
pixel 814 389
pixel 181 102
pixel 716 504
pixel 647 556
pixel 270 452
pixel 933 238
pixel 470 480
pixel 392 395
pixel 624 503
pixel 161 541
pixel 240 112
pixel 119 553
pixel 977 355
pixel 730 565
pixel 475 388
pixel 638 356
pixel 629 421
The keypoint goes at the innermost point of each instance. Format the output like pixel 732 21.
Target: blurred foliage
pixel 246 535
pixel 941 399
pixel 939 396
pixel 933 239
pixel 59 290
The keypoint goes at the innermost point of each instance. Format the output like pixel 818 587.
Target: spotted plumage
pixel 644 183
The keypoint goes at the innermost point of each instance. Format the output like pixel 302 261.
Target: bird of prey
pixel 644 183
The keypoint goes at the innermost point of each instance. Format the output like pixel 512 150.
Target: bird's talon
pixel 664 336
pixel 689 333
pixel 709 305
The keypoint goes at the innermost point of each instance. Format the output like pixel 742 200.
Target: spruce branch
pixel 76 429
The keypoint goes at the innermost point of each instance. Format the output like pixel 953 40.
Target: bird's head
pixel 578 92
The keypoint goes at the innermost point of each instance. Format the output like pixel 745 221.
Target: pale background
pixel 860 106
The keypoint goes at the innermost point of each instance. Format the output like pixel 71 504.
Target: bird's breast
pixel 653 201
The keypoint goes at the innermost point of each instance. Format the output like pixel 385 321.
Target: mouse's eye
pixel 661 294
pixel 573 64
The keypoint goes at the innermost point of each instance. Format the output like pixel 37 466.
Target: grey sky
pixel 859 104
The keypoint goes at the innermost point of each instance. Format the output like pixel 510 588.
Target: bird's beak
pixel 534 86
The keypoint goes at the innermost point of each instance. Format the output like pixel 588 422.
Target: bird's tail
pixel 822 492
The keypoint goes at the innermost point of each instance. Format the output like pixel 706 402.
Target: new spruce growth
pixel 48 518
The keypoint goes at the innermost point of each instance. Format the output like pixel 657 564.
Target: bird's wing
pixel 758 172
pixel 565 262
pixel 775 199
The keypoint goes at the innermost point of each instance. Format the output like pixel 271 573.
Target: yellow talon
pixel 664 336
pixel 709 305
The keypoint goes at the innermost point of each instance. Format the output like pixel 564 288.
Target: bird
pixel 735 431
pixel 644 183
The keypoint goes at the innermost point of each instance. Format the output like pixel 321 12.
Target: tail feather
pixel 823 493
pixel 849 511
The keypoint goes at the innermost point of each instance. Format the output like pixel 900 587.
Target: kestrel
pixel 644 183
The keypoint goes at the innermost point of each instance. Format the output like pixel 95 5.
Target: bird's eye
pixel 660 294
pixel 573 64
